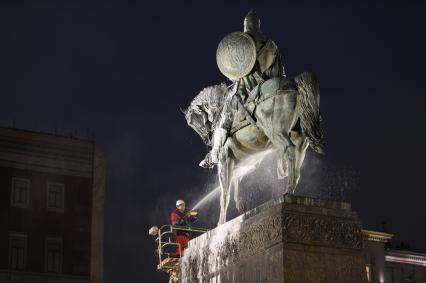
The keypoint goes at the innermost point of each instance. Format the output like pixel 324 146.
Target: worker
pixel 181 216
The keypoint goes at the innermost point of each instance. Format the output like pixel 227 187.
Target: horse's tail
pixel 308 110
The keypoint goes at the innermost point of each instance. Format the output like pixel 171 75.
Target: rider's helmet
pixel 252 22
pixel 179 202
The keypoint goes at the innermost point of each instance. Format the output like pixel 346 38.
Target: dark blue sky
pixel 124 70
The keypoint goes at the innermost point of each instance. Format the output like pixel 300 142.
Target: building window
pixel 368 270
pixel 17 251
pixel 55 196
pixel 20 196
pixel 53 255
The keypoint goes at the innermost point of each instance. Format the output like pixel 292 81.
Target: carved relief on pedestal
pixel 235 247
pixel 249 240
pixel 231 246
pixel 314 229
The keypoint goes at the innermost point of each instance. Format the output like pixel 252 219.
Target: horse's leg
pixel 225 167
pixel 301 143
pixel 239 202
pixel 282 170
pixel 276 117
pixel 290 157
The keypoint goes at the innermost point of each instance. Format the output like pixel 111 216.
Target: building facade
pixel 385 264
pixel 51 208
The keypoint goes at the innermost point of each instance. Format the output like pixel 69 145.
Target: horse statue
pixel 284 115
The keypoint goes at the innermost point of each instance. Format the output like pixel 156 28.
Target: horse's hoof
pixel 291 191
pixel 206 164
pixel 242 207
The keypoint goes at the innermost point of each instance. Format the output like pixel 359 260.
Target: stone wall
pixel 291 239
pixel 10 276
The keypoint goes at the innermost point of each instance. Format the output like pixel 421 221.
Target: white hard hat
pixel 179 202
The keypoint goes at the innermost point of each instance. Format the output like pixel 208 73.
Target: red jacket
pixel 181 218
pixel 178 218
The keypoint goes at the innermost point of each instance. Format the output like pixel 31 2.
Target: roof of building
pixel 377 236
pixel 70 136
pixel 44 152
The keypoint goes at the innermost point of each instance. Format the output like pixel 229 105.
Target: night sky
pixel 124 70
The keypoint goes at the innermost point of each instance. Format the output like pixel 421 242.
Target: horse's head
pixel 204 110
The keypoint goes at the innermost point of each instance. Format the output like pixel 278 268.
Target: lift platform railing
pixel 165 238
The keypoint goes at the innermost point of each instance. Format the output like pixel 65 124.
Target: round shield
pixel 236 55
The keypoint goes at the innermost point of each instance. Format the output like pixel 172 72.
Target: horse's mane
pixel 211 96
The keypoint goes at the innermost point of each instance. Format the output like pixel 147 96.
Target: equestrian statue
pixel 261 109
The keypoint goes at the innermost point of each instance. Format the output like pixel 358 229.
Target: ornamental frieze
pixel 314 229
pixel 306 229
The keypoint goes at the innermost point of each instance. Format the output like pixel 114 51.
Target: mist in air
pixel 318 179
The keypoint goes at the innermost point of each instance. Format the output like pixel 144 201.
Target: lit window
pixel 368 269
pixel 20 196
pixel 17 251
pixel 55 196
pixel 53 255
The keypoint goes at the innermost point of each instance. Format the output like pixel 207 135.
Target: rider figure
pixel 268 65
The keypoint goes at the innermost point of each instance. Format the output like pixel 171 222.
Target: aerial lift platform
pixel 165 238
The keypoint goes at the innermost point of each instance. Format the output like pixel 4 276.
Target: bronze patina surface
pixel 260 110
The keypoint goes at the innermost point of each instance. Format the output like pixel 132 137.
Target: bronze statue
pixel 261 109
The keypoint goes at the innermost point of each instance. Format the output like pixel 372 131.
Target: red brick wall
pixel 73 225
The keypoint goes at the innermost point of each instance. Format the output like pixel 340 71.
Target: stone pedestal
pixel 291 239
